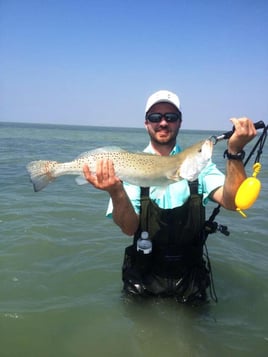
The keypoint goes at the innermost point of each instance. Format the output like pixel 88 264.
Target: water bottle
pixel 144 253
pixel 144 244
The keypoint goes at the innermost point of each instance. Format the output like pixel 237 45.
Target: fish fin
pixel 189 170
pixel 80 180
pixel 105 149
pixel 174 175
pixel 174 178
pixel 40 173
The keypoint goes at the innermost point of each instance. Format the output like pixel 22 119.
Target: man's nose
pixel 163 120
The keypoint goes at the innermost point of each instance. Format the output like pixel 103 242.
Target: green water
pixel 60 259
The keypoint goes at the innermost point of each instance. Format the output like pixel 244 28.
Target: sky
pixel 95 62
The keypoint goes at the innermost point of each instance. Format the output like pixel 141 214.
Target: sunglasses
pixel 157 117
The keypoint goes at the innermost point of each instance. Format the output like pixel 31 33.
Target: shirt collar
pixel 149 149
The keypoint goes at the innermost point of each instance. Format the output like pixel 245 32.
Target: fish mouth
pixel 207 148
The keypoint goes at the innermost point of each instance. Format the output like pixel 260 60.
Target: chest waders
pixel 176 266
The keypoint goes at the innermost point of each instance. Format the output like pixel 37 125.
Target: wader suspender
pixel 145 192
pixel 197 210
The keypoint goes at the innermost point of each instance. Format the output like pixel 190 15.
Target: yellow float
pixel 248 191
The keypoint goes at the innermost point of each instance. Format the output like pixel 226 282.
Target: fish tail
pixel 41 173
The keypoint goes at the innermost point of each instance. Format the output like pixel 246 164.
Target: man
pixel 176 266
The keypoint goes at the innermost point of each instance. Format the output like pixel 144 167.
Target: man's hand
pixel 105 178
pixel 243 134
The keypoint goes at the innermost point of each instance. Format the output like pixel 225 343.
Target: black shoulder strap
pixel 144 201
pixel 145 191
pixel 193 187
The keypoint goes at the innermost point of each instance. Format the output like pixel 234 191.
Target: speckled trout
pixel 141 169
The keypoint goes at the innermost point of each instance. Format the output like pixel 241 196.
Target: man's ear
pixel 146 124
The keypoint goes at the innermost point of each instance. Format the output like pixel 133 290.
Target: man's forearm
pixel 124 214
pixel 235 175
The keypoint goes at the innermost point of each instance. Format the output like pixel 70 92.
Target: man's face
pixel 163 132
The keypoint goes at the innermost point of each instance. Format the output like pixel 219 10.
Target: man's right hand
pixel 105 178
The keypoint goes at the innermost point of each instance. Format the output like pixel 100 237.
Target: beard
pixel 163 136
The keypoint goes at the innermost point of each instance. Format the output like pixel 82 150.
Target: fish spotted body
pixel 141 169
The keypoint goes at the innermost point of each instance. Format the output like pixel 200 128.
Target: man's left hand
pixel 243 134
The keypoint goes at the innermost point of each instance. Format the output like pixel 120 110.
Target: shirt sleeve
pixel 133 193
pixel 209 179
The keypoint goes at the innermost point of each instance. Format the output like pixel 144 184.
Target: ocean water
pixel 60 263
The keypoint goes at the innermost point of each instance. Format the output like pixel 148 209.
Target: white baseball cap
pixel 163 96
